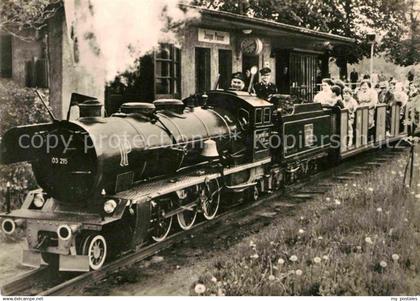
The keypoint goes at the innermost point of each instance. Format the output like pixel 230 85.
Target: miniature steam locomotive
pixel 114 183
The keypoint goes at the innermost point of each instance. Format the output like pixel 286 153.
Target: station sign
pixel 213 36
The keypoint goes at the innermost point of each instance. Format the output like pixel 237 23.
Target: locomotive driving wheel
pixel 253 193
pixel 210 198
pixel 95 247
pixel 187 217
pixel 161 224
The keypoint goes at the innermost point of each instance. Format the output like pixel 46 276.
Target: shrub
pixel 18 106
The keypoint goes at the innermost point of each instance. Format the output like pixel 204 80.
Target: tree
pixel 351 18
pixel 20 17
pixel 406 51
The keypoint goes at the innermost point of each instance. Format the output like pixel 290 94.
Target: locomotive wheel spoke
pixel 161 225
pixel 187 217
pixel 95 247
pixel 210 199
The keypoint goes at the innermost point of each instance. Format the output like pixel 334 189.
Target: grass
pixel 360 239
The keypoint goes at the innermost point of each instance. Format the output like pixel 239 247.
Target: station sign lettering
pixel 213 36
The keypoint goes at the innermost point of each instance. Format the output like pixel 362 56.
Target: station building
pixel 210 49
pixel 221 43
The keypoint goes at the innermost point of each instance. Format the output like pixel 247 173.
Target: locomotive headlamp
pixel 110 206
pixel 39 200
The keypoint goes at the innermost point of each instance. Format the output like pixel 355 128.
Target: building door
pixel 296 73
pixel 282 71
pixel 225 68
pixel 202 69
pixel 303 72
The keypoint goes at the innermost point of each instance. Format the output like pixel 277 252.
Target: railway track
pixel 46 282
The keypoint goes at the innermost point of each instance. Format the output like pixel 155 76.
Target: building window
pixel 225 68
pixel 202 69
pixel 167 72
pixel 5 55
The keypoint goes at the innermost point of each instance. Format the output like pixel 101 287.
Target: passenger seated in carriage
pixel 366 96
pixel 324 96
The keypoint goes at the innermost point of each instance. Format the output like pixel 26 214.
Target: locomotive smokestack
pixel 90 108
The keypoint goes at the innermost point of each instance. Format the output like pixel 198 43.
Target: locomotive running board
pixel 147 191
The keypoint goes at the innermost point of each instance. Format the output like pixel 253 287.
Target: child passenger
pixel 351 105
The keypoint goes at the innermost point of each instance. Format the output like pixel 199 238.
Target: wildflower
pixel 252 244
pixel 406 220
pixel 214 279
pixel 301 231
pixel 293 258
pixel 271 278
pixel 254 256
pixel 369 240
pixel 328 199
pixel 337 202
pixel 272 243
pixel 345 185
pixel 317 260
pixel 299 272
pixel 379 209
pixel 395 257
pixel 320 237
pixel 383 264
pixel 370 189
pixel 199 288
pixel 354 185
pixel 393 172
pixel 280 261
pixel 302 218
pixel 325 257
pixel 220 292
pixel 359 248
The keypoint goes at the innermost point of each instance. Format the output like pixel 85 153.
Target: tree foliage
pixel 18 17
pixel 389 19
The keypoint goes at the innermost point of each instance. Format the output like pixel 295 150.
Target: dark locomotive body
pixel 114 183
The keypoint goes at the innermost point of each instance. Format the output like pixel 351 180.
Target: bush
pixel 18 106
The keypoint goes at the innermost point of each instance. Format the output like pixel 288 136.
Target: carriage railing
pixel 360 125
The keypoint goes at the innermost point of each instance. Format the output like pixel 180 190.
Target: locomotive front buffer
pixel 67 239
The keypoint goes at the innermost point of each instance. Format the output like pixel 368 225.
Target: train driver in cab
pixel 265 88
pixel 237 83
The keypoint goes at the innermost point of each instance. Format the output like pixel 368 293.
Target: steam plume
pixel 111 34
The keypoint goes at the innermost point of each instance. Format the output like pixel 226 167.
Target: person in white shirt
pixel 367 96
pixel 324 97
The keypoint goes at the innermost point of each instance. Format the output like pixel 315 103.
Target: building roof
pixel 272 26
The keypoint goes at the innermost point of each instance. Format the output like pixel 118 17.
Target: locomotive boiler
pixel 75 161
pixel 135 170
